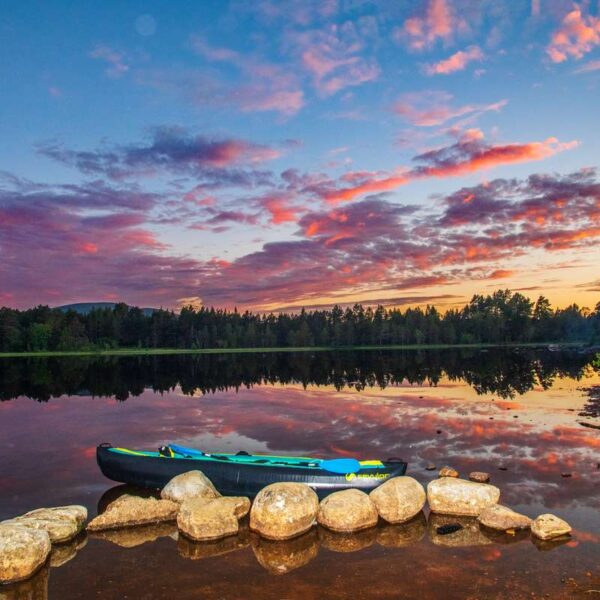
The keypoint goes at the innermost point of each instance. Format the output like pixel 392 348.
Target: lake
pixel 471 409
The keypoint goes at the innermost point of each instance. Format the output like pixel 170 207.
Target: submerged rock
pixel 479 477
pixel 548 527
pixel 448 472
pixel 348 510
pixel 193 484
pixel 399 499
pixel 503 518
pixel 284 510
pixel 469 533
pixel 281 557
pixel 460 497
pixel 128 511
pixel 204 519
pixel 23 551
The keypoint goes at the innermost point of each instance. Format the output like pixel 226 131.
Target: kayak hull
pixel 236 479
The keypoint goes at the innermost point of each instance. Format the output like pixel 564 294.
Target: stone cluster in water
pixel 462 513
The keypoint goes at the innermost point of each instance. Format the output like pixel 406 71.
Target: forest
pixel 503 317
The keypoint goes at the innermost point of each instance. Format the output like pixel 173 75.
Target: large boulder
pixel 203 519
pixel 23 551
pixel 452 496
pixel 503 518
pixel 348 510
pixel 399 499
pixel 284 510
pixel 548 527
pixel 128 511
pixel 193 484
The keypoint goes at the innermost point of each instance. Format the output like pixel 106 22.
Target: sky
pixel 270 155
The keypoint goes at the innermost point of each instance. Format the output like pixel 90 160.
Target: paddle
pixel 341 465
pixel 336 465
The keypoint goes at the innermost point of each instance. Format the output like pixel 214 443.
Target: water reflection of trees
pixel 503 372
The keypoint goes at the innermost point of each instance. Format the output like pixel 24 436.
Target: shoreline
pixel 262 350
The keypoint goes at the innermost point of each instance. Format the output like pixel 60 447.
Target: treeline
pixel 503 317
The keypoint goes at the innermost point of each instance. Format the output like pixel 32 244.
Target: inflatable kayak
pixel 242 473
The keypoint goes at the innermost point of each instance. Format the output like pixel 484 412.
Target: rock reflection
pixel 402 534
pixel 130 537
pixel 192 550
pixel 287 555
pixel 469 535
pixel 548 545
pixel 501 537
pixel 347 542
pixel 63 553
pixel 34 588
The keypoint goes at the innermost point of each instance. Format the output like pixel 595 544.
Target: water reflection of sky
pixel 49 450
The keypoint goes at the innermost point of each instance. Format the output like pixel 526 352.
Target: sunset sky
pixel 275 154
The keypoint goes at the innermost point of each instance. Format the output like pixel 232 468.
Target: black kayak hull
pixel 236 479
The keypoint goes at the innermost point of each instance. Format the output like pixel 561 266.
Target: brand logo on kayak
pixel 352 476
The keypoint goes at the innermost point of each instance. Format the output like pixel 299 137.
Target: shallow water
pixel 517 409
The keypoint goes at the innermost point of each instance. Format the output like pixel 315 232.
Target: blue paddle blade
pixel 341 465
pixel 185 451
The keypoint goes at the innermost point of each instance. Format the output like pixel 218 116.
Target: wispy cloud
pixel 117 64
pixel 457 62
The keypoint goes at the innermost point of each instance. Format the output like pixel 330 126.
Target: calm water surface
pixel 470 409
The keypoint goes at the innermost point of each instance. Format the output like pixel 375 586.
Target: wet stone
pixel 479 477
pixel 448 472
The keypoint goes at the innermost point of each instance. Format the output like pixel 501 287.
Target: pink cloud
pixel 577 35
pixel 457 62
pixel 438 22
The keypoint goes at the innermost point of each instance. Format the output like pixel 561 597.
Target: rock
pixel 400 535
pixel 23 551
pixel 502 518
pixel 62 523
pixel 344 542
pixel 284 510
pixel 448 472
pixel 503 468
pixel 469 533
pixel 348 510
pixel 280 557
pixel 128 511
pixel 203 519
pixel 130 537
pixel 479 477
pixel 430 467
pixel 58 530
pixel 460 497
pixel 193 484
pixel 399 499
pixel 566 474
pixel 448 528
pixel 548 527
pixel 74 512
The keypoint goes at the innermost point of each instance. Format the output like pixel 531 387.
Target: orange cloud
pixel 577 35
pixel 457 62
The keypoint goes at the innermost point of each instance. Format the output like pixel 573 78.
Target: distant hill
pixel 84 308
